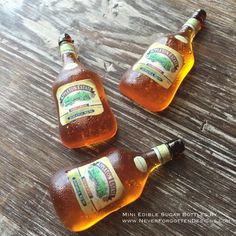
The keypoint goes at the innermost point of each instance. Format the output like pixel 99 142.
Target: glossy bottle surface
pixel 151 93
pixel 84 194
pixel 82 91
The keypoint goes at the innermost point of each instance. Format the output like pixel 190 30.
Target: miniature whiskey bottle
pixel 84 194
pixel 154 79
pixel 84 115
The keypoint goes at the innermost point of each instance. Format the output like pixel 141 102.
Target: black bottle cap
pixel 176 147
pixel 65 38
pixel 200 15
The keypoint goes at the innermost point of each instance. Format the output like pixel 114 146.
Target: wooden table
pixel 110 36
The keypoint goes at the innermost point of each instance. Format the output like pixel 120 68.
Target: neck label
pixel 181 38
pixel 194 24
pixel 70 66
pixel 140 163
pixel 162 153
pixel 67 48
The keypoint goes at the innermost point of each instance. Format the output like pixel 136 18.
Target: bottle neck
pixel 68 54
pixel 191 28
pixel 157 156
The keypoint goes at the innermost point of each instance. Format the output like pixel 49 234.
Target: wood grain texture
pixel 111 35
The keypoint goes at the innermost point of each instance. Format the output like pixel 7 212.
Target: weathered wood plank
pixel 111 35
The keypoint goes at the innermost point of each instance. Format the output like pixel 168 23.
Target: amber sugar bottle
pixel 84 194
pixel 84 114
pixel 154 79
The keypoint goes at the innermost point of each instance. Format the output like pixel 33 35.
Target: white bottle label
pixel 70 66
pixel 181 38
pixel 140 163
pixel 96 185
pixel 161 64
pixel 78 99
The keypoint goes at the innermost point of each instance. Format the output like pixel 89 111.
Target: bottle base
pixel 143 104
pixel 87 141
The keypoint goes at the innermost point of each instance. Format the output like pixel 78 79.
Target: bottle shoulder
pixel 177 41
pixel 76 74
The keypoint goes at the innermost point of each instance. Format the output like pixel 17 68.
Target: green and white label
pixel 78 99
pixel 161 64
pixel 96 185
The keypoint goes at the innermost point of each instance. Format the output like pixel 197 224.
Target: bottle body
pixel 84 114
pixel 147 92
pixel 155 78
pixel 84 194
pixel 88 129
pixel 69 210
